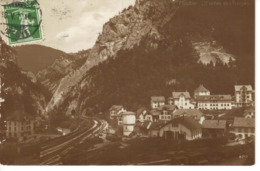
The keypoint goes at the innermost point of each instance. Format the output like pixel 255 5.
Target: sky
pixel 74 25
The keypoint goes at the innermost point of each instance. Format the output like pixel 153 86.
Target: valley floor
pixel 156 151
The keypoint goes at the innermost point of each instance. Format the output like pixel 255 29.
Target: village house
pixel 154 128
pixel 155 114
pixel 243 127
pixel 166 112
pixel 142 115
pixel 201 91
pixel 214 102
pixel 214 128
pixel 244 95
pixel 182 100
pixel 180 128
pixel 249 113
pixel 19 126
pixel 193 113
pixel 157 101
pixel 116 111
pixel 128 121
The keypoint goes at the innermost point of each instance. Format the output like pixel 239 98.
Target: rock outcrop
pixel 121 32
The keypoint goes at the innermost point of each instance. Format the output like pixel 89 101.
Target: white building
pixel 19 126
pixel 201 91
pixel 214 102
pixel 244 95
pixel 129 120
pixel 157 101
pixel 182 100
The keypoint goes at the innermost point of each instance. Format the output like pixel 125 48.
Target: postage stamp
pixel 21 21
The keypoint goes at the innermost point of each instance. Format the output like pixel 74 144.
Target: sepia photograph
pixel 127 82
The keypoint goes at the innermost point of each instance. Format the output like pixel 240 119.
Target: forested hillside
pixel 158 68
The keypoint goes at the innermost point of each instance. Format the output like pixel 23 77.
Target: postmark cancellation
pixel 20 21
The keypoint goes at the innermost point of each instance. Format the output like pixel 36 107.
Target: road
pixel 52 151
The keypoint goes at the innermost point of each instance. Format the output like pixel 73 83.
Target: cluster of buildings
pixel 203 100
pixel 182 116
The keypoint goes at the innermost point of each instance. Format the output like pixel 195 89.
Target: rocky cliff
pixel 155 42
pixel 51 76
pixel 121 32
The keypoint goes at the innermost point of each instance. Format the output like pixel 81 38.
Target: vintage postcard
pixel 127 82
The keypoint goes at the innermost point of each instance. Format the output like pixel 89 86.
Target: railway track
pixel 51 152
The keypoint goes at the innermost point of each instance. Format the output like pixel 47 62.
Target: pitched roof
pixel 140 111
pixel 167 107
pixel 116 107
pixel 244 122
pixel 214 124
pixel 155 112
pixel 249 110
pixel 201 88
pixel 157 125
pixel 248 87
pixel 188 112
pixel 18 116
pixel 128 113
pixel 215 98
pixel 188 122
pixel 158 99
pixel 144 125
pixel 177 95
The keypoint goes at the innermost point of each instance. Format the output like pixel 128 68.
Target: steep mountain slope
pixel 34 58
pixel 50 77
pixel 121 32
pixel 153 48
pixel 20 91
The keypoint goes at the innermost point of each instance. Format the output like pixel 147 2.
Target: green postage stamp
pixel 21 21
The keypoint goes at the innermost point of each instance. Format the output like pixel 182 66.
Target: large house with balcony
pixel 182 100
pixel 244 95
pixel 214 102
